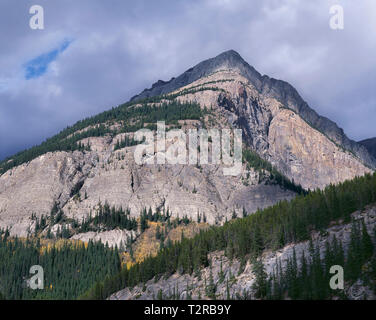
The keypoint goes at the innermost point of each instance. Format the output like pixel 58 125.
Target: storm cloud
pixel 95 54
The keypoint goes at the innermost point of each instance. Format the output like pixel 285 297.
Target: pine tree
pixel 319 283
pixel 260 284
pixel 338 253
pixel 367 245
pixel 221 274
pixel 198 217
pixel 143 222
pixel 304 279
pixel 158 233
pixel 294 291
pixel 227 291
pixel 211 288
pixel 244 213
pixel 354 254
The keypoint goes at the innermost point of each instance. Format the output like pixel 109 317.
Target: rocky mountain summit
pixel 93 163
pixel 270 87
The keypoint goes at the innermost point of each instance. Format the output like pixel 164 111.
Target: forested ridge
pixel 246 238
pixel 133 117
pixel 307 276
pixel 303 276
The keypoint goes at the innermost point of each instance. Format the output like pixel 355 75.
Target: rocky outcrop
pixel 34 187
pixel 113 238
pixel 241 279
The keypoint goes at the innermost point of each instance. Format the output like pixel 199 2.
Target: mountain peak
pixel 229 59
pixel 278 89
pixel 230 55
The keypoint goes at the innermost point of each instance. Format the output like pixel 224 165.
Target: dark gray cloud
pixel 121 47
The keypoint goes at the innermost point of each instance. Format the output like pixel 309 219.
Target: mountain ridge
pixel 278 89
pixel 370 145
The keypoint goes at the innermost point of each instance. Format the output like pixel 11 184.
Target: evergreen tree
pixel 160 295
pixel 367 245
pixel 211 288
pixel 260 284
pixel 354 255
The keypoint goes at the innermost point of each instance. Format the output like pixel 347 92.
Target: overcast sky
pixel 95 54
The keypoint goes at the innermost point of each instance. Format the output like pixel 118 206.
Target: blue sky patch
pixel 38 66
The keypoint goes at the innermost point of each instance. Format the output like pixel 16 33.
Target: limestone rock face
pixel 34 187
pixel 115 178
pixel 307 155
pixel 183 189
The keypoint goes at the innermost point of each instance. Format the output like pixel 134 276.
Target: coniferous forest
pixel 94 272
pixel 271 228
pixel 69 269
pixel 308 276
